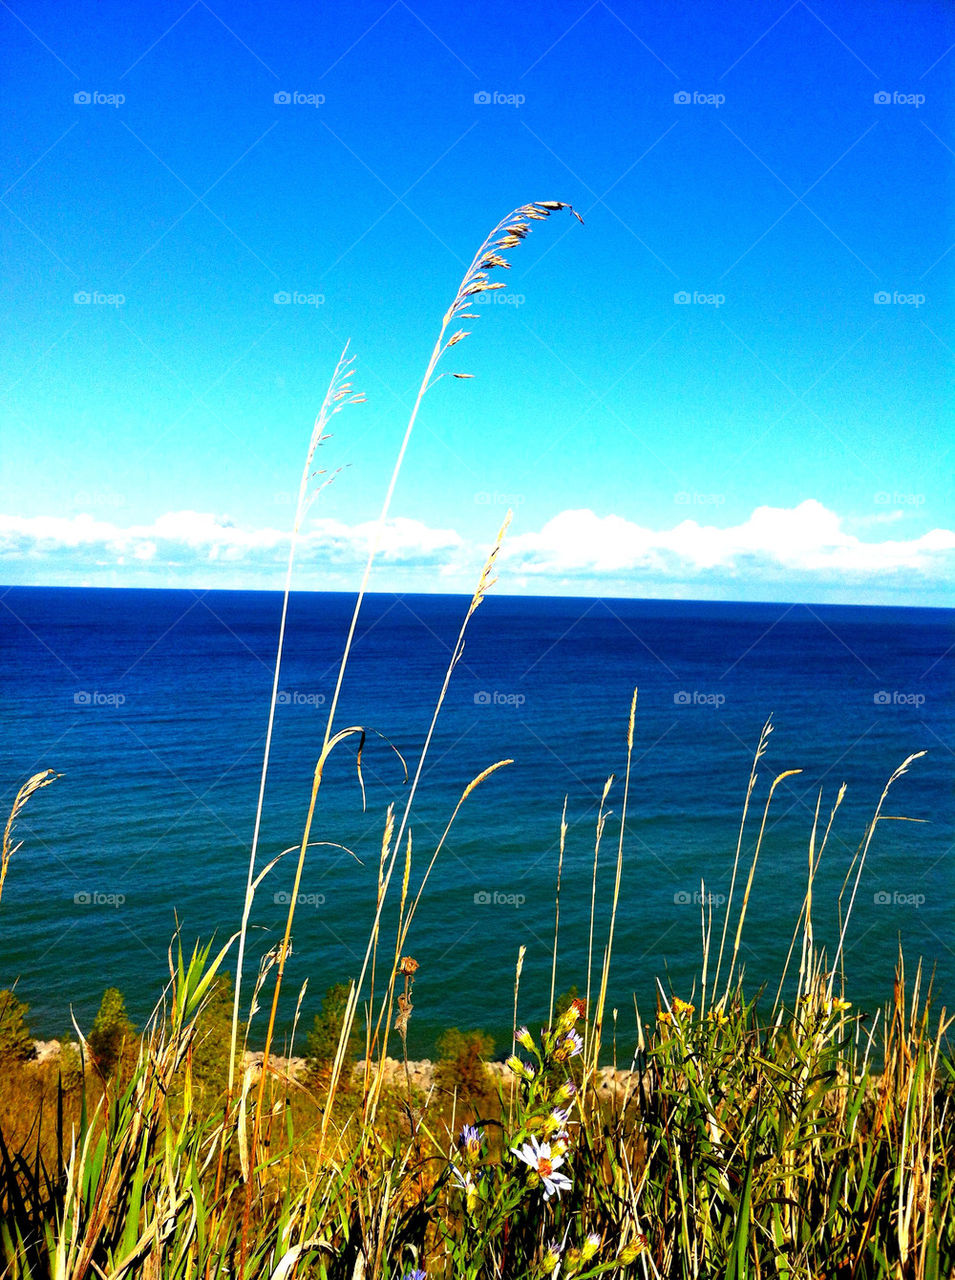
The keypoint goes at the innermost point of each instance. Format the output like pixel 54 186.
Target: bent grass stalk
pixel 36 783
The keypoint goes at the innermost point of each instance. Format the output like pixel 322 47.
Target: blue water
pixel 153 705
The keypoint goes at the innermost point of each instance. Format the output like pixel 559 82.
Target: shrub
pixel 111 1031
pixel 462 1057
pixel 210 1048
pixel 16 1043
pixel 321 1043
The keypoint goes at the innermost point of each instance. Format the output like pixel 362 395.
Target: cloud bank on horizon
pixel 805 552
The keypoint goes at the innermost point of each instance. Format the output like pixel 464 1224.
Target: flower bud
pixel 590 1247
pixel 630 1252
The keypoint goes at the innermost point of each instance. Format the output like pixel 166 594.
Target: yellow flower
pixel 630 1252
pixel 590 1247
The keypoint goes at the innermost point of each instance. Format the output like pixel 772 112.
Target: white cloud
pixel 807 539
pixel 806 552
pixel 196 537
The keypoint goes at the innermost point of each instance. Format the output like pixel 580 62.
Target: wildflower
pixel 568 1046
pixel 471 1139
pixel 525 1038
pixel 590 1246
pixel 576 1010
pixel 630 1252
pixel 415 1275
pixel 664 1018
pixel 556 1122
pixel 408 965
pixel 550 1263
pixel 718 1016
pixel 840 1006
pixel 540 1158
pixel 521 1069
pixel 472 1191
pixel 567 1092
pixel 683 1007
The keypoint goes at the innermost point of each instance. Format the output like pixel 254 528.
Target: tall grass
pixel 784 1141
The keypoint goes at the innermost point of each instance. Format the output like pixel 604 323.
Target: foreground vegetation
pixel 748 1137
pixel 743 1142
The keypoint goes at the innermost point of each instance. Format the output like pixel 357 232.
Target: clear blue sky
pixel 782 435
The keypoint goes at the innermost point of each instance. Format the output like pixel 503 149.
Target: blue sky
pixel 732 382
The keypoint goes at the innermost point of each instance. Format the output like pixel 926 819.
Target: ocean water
pixel 153 707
